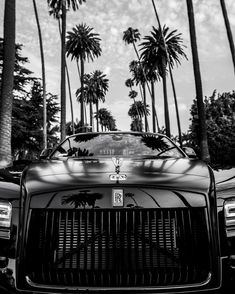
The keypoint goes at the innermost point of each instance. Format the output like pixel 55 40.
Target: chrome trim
pixel 183 287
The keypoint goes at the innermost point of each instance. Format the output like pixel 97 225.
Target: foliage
pixel 55 6
pixel 137 109
pixel 22 76
pixel 27 124
pixel 131 35
pixel 95 87
pixel 136 69
pixel 27 112
pixel 106 120
pixel 136 125
pixel 154 52
pixel 83 43
pixel 78 128
pixel 220 122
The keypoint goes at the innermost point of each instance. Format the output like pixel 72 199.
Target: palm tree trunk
pixel 229 32
pixel 62 82
pixel 176 107
pixel 70 97
pixel 153 107
pixel 69 85
pixel 138 56
pixel 82 93
pixel 167 120
pixel 198 85
pixel 43 77
pixel 143 100
pixel 154 114
pixel 145 115
pixel 166 109
pixel 91 115
pixel 137 110
pixel 97 119
pixel 146 81
pixel 6 100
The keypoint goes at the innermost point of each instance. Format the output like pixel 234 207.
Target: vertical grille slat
pixel 118 247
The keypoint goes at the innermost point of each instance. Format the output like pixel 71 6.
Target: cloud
pixel 110 19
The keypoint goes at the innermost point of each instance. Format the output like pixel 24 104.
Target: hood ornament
pixel 117 176
pixel 117 162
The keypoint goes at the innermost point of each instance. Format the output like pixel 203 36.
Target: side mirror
pixel 45 153
pixel 190 152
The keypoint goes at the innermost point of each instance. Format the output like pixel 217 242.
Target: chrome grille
pixel 113 248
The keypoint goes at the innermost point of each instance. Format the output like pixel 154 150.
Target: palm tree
pixel 131 36
pixel 228 29
pixel 170 49
pixel 198 85
pixel 100 85
pixel 137 111
pixel 95 89
pixel 136 68
pixel 43 77
pixel 132 94
pixel 157 52
pixel 88 94
pixel 7 83
pixel 152 76
pixel 107 121
pixel 60 8
pixel 57 16
pixel 136 125
pixel 82 44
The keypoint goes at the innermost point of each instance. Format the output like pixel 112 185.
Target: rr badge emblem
pixel 117 197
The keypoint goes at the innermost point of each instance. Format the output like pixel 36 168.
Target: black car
pixel 119 212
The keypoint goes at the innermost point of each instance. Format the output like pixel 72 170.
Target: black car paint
pixel 190 182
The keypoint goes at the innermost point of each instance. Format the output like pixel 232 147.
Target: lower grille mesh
pixel 117 248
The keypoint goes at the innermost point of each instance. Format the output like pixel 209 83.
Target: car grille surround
pixel 117 247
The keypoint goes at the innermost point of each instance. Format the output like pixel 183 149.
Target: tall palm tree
pixel 82 44
pixel 171 76
pixel 176 108
pixel 60 7
pixel 7 83
pixel 100 86
pixel 203 142
pixel 132 94
pixel 95 89
pixel 159 49
pixel 131 36
pixel 107 121
pixel 228 29
pixel 88 94
pixel 136 68
pixel 43 77
pixel 57 16
pixel 73 124
pixel 136 125
pixel 152 76
pixel 137 111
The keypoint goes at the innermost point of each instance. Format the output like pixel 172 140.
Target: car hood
pixel 52 175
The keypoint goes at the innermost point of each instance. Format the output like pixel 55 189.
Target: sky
pixel 109 19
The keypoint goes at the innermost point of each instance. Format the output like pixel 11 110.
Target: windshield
pixel 122 145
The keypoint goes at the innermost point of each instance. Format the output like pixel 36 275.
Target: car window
pixel 124 145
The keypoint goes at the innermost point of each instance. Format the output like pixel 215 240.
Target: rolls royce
pixel 118 211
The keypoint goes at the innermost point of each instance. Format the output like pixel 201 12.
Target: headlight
pixel 5 214
pixel 229 214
